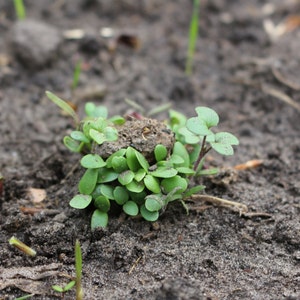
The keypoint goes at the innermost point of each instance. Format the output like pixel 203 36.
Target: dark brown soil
pixel 243 69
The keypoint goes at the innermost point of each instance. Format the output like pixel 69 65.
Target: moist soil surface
pixel 246 67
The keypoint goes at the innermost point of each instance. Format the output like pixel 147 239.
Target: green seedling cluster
pixel 127 179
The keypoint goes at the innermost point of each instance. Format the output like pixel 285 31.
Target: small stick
pixel 242 208
pixel 134 265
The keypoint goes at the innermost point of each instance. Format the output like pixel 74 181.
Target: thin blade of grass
pixel 193 34
pixel 20 9
pixel 63 105
pixel 78 268
pixel 76 75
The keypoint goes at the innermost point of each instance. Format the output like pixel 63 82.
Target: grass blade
pixel 193 34
pixel 20 9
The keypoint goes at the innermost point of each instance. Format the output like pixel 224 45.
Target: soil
pixel 245 68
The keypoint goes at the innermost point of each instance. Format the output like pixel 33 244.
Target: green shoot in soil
pixel 20 9
pixel 25 297
pixel 77 280
pixel 21 246
pixel 139 184
pixel 76 75
pixel 193 34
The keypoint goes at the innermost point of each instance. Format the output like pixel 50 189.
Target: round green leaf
pixel 224 149
pixel 117 120
pixel 120 153
pixel 160 152
pixel 79 136
pixel 226 138
pixel 126 177
pixel 131 208
pixel 197 126
pixel 208 115
pixel 119 164
pixel 139 175
pixel 189 137
pixel 102 203
pixel 152 184
pixel 111 134
pixel 154 203
pixel 151 216
pixel 92 161
pixel 181 151
pixel 135 186
pixel 164 172
pixel 99 219
pixel 80 201
pixel 71 144
pixel 89 109
pixel 121 195
pixel 88 181
pixel 107 190
pixel 106 175
pixel 177 181
pixel 97 136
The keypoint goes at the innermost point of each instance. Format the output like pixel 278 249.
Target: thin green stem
pixel 20 9
pixel 202 153
pixel 193 34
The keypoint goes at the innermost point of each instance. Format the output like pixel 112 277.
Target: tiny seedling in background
pixel 20 9
pixel 76 75
pixel 21 246
pixel 142 184
pixel 193 35
pixel 24 297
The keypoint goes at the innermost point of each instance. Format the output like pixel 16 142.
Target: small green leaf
pixel 126 177
pixel 63 105
pixel 176 159
pixel 121 195
pixel 119 164
pixel 119 153
pixel 160 152
pixel 106 175
pixel 117 120
pixel 111 134
pixel 99 219
pixel 132 160
pixel 208 115
pixel 97 136
pixel 189 137
pixel 212 171
pixel 152 184
pixel 139 175
pixel 181 151
pixel 69 285
pixel 92 161
pixel 150 216
pixel 138 198
pixel 107 190
pixel 224 149
pixel 176 118
pixel 88 181
pixel 142 160
pixel 57 288
pixel 80 201
pixel 135 186
pixel 102 203
pixel 177 181
pixel 131 208
pixel 198 126
pixel 154 202
pixel 193 190
pixel 71 144
pixel 79 136
pixel 226 138
pixel 94 111
pixel 164 172
pixel 185 170
pixel 89 109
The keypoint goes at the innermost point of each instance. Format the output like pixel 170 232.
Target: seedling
pixel 25 297
pixel 77 279
pixel 76 75
pixel 21 246
pixel 20 9
pixel 142 164
pixel 193 34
